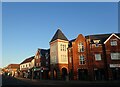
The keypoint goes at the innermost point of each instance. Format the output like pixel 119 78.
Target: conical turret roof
pixel 59 35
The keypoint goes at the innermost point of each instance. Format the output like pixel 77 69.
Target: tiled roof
pixel 28 60
pixel 101 37
pixel 59 35
pixel 70 42
pixel 44 51
pixel 13 66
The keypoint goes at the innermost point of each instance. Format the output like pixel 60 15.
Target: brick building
pixel 77 58
pixel 42 64
pixel 94 57
pixel 58 56
pixel 112 53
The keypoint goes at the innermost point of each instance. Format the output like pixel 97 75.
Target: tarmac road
pixel 8 81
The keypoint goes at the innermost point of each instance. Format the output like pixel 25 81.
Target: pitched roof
pixel 59 35
pixel 28 60
pixel 70 42
pixel 13 66
pixel 44 51
pixel 101 37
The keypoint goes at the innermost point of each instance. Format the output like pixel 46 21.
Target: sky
pixel 28 26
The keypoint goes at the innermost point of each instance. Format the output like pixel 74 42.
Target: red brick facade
pixel 97 56
pixel 113 65
pixel 74 55
pixel 42 64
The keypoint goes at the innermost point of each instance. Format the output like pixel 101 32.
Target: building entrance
pixel 116 73
pixel 64 73
pixel 82 74
pixel 99 74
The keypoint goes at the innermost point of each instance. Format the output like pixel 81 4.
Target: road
pixel 8 81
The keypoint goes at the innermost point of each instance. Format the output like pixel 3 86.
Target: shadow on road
pixel 22 82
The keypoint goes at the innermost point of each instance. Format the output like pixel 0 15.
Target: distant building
pixel 42 64
pixel 26 67
pixel 59 56
pixel 12 69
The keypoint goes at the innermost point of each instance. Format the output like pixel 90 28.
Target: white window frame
pixel 98 57
pixel 63 58
pixel 81 47
pixel 115 56
pixel 113 42
pixel 81 59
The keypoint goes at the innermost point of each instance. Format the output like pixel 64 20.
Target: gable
pixel 80 38
pixel 111 37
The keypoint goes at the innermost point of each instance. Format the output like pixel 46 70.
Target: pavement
pixel 8 81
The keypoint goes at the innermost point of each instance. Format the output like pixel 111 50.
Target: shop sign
pixel 114 65
pixel 36 69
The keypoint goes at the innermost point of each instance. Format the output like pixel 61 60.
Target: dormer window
pixel 96 42
pixel 113 42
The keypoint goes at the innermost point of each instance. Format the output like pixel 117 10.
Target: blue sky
pixel 28 26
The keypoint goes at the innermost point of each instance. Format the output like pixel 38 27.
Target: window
pixel 115 56
pixel 63 58
pixel 61 47
pixel 46 55
pixel 82 59
pixel 97 57
pixel 113 42
pixel 37 56
pixel 96 43
pixel 46 63
pixel 80 47
pixel 54 60
pixel 40 64
pixel 65 47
